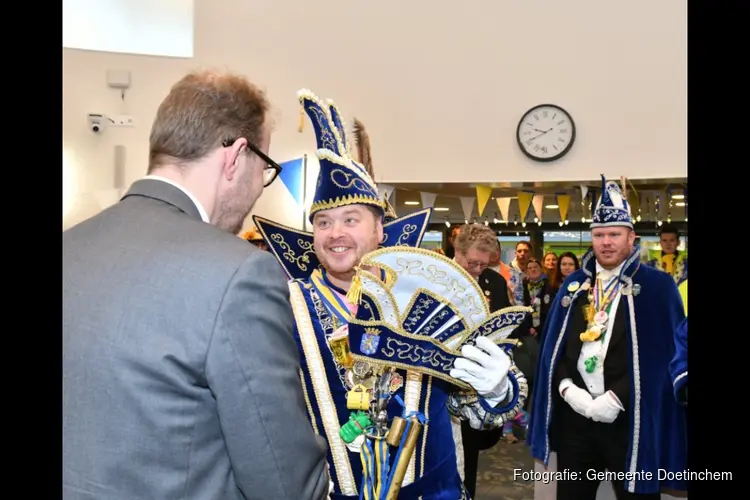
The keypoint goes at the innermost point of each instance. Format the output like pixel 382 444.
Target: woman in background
pixel 549 267
pixel 566 264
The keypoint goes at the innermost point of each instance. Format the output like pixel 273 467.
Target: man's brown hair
pixel 476 235
pixel 201 111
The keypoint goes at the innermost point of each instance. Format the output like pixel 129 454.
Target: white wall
pixel 440 89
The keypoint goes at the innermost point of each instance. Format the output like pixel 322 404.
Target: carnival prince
pixel 349 220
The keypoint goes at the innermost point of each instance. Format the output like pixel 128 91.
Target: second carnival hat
pixel 612 208
pixel 342 181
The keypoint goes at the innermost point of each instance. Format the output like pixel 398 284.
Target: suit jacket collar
pixel 162 191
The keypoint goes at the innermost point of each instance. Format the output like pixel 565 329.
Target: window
pixel 145 27
pixel 432 240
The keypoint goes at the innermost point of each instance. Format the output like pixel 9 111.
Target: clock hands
pixel 542 133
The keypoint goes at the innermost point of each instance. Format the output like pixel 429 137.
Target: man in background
pixel 524 252
pixel 180 371
pixel 671 261
pixel 604 400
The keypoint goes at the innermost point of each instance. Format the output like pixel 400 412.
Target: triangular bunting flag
pixel 584 191
pixel 292 176
pixel 428 199
pixel 467 203
pixel 524 203
pixel 483 196
pixel 503 205
pixel 538 203
pixel 386 190
pixel 563 203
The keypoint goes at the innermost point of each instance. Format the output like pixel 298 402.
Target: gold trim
pixel 288 258
pixel 347 142
pixel 424 371
pixel 321 388
pixel 427 424
pixel 370 259
pixel 397 221
pixel 341 201
pixel 412 395
pixel 310 412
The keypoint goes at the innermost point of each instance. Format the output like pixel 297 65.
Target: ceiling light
pixel 678 196
pixel 441 209
pixel 551 207
pixel 680 204
pixel 411 203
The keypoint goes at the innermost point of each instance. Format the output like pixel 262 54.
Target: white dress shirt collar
pixel 606 274
pixel 195 201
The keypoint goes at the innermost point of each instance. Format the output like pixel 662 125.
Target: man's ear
pixel 232 158
pixel 379 229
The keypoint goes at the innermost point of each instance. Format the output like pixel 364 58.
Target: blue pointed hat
pixel 341 181
pixel 613 208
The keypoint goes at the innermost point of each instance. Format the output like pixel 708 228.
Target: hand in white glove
pixel 578 399
pixel 485 368
pixel 604 409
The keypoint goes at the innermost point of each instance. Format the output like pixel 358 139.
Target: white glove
pixel 578 399
pixel 485 368
pixel 603 409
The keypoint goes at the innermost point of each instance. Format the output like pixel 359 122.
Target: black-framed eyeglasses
pixel 272 169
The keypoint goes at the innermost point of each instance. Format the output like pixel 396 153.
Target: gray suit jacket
pixel 180 371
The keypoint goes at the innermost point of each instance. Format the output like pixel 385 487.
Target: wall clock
pixel 546 132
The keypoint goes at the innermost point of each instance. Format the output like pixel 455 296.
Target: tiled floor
pixel 495 479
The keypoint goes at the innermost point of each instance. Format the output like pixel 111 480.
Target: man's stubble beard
pixel 236 205
pixel 350 274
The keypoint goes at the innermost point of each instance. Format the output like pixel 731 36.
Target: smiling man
pixel 604 397
pixel 350 220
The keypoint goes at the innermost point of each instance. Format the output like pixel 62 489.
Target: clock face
pixel 546 132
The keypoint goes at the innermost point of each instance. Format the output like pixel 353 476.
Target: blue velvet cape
pixel 657 422
pixel 678 368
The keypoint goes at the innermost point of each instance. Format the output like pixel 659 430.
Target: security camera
pixel 97 122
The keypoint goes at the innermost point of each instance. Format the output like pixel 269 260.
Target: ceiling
pixel 407 198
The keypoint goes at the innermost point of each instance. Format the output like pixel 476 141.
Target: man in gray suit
pixel 180 372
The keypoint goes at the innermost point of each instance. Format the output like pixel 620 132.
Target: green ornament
pixel 591 364
pixel 356 426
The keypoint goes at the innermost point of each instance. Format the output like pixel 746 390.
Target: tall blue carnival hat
pixel 342 180
pixel 612 208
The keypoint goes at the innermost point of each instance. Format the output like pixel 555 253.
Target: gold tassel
pixel 354 295
pixel 301 123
